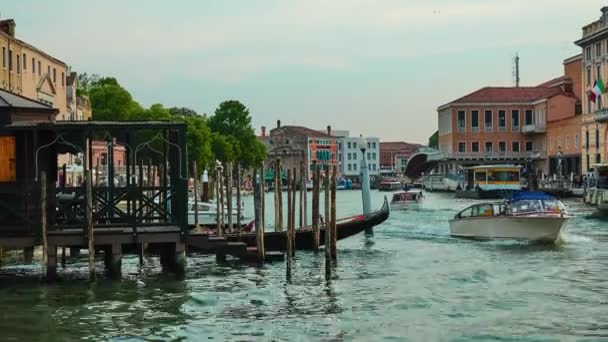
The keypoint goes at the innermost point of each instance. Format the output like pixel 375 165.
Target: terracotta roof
pixel 554 82
pixel 508 95
pixel 300 130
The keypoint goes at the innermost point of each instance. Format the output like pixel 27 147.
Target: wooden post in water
pixel 218 219
pixel 302 192
pixel 150 184
pixel 263 197
pixel 288 232
pixel 239 208
pixel 326 226
pixel 292 230
pixel 257 204
pixel 332 219
pixel 278 202
pixel 89 216
pixel 43 223
pixel 315 206
pixel 229 195
pixel 195 193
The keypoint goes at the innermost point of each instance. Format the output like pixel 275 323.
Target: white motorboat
pixel 406 199
pixel 207 214
pixel 532 216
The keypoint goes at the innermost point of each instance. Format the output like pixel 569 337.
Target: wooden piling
pixel 43 224
pixel 263 195
pixel 315 206
pixel 195 193
pixel 302 191
pixel 63 256
pixel 89 216
pixel 278 203
pixel 229 196
pixel 238 200
pixel 217 201
pixel 326 225
pixel 259 228
pixel 292 230
pixel 332 220
pixel 289 246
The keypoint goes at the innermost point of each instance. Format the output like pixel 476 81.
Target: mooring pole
pixel 89 215
pixel 332 226
pixel 229 196
pixel 43 222
pixel 257 205
pixel 195 193
pixel 294 193
pixel 278 182
pixel 315 206
pixel 217 201
pixel 326 225
pixel 263 197
pixel 302 191
pixel 239 209
pixel 289 221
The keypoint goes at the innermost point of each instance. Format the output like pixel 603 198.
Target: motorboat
pixel 597 190
pixel 207 214
pixel 442 182
pixel 389 185
pixel 532 216
pixel 491 182
pixel 406 199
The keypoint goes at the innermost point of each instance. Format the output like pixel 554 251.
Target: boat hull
pixel 529 228
pixel 277 241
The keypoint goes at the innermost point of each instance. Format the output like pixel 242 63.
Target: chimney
pixel 278 123
pixel 263 131
pixel 329 130
pixel 8 26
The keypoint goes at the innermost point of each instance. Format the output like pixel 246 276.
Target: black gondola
pixel 276 241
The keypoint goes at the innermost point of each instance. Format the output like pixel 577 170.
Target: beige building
pixel 594 45
pixel 30 72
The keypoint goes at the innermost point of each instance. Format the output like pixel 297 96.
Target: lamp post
pixel 365 186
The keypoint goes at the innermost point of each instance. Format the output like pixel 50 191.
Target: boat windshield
pixel 537 206
pixel 504 176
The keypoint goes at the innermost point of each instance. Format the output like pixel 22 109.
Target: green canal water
pixel 409 282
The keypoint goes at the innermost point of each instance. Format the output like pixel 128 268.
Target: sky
pixel 374 67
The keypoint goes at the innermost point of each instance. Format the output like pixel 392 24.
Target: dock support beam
pixel 28 254
pixel 113 260
pixel 173 257
pixel 74 252
pixel 51 262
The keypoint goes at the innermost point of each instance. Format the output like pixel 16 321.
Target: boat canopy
pixel 530 195
pixel 494 166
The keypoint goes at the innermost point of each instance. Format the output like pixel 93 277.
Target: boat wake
pixel 569 238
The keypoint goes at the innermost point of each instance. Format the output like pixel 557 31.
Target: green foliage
pixel 182 111
pixel 434 140
pixel 222 147
pixel 111 102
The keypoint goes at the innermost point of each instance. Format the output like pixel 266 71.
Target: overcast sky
pixel 377 67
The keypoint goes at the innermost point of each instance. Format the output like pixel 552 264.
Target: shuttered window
pixel 8 169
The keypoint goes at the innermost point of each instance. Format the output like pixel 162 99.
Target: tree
pixel 232 119
pixel 182 111
pixel 198 140
pixel 434 140
pixel 85 83
pixel 222 147
pixel 111 102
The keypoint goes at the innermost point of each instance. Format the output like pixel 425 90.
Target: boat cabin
pixel 494 177
pixel 407 196
pixel 483 210
pixel 531 203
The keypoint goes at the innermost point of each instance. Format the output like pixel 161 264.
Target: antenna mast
pixel 516 70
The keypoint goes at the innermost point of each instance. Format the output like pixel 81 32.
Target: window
pixel 374 156
pixel 475 120
pixel 598 158
pixel 24 61
pixel 354 145
pixel 368 156
pixel 355 156
pixel 103 159
pixel 10 60
pixel 529 119
pixel 369 145
pixel 588 76
pixel 33 65
pixel 598 49
pixel 374 144
pixel 461 120
pixel 559 142
pixel 462 147
pixel 55 76
pixel 576 141
pixel 4 57
pixel 488 121
pixel 515 120
pixel 597 139
pixel 39 69
pixel 8 167
pixel 349 156
pixel 529 146
pixel 475 147
pixel 515 146
pixel 489 147
pixel 551 146
pixel 355 167
pixel 588 166
pixel 374 167
pixel 62 78
pixel 567 142
pixel 502 120
pixel 588 53
pixel 349 145
pixel 350 167
pixel 502 146
pixel 587 140
pixel 18 64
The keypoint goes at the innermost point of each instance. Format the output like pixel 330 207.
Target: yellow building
pixel 594 44
pixel 30 72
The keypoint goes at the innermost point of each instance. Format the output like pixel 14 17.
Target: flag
pixel 600 86
pixel 596 89
pixel 592 96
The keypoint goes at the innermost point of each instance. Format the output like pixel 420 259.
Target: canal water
pixel 411 281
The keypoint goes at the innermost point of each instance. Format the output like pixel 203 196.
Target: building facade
pixel 30 72
pixel 393 154
pixel 512 124
pixel 296 144
pixel 350 155
pixel 594 66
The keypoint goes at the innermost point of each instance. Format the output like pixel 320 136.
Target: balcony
pixel 533 129
pixel 601 115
